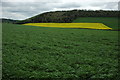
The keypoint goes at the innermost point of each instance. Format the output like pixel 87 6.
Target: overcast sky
pixel 20 9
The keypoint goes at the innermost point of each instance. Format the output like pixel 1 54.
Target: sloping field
pixel 72 25
pixel 111 22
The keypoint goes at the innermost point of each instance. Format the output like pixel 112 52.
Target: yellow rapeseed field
pixel 71 25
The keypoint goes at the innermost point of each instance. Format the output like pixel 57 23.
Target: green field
pixel 39 52
pixel 111 22
pixel 0 51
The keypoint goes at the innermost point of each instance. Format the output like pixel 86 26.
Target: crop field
pixel 111 22
pixel 72 25
pixel 0 51
pixel 42 52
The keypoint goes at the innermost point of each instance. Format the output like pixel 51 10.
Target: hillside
pixel 67 16
pixel 112 22
pixel 3 20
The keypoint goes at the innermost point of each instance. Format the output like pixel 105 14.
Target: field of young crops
pixel 41 52
pixel 111 22
pixel 71 25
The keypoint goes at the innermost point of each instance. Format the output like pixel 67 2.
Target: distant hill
pixel 3 20
pixel 67 16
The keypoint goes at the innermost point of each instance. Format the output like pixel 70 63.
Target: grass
pixel 0 51
pixel 39 52
pixel 111 22
pixel 71 25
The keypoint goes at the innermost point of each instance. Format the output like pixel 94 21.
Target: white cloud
pixel 65 1
pixel 13 16
pixel 90 1
pixel 30 0
pixel 0 9
pixel 19 9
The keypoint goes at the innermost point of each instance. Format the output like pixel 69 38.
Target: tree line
pixel 3 20
pixel 68 16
